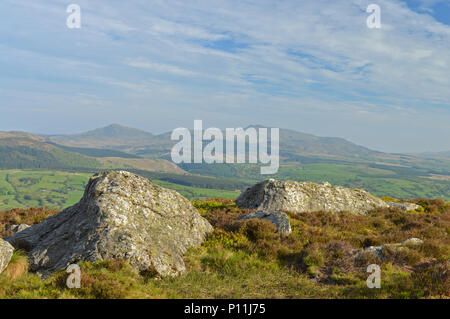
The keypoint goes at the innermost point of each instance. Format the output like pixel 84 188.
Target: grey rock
pixel 279 219
pixel 17 228
pixel 411 241
pixel 403 206
pixel 6 252
pixel 297 197
pixel 120 216
pixel 378 250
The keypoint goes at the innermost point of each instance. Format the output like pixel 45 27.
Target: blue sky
pixel 311 65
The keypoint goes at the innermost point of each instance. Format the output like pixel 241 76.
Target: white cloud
pixel 158 67
pixel 255 58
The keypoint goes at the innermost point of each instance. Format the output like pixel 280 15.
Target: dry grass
pixel 18 266
pixel 19 216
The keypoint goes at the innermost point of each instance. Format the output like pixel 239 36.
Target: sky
pixel 312 66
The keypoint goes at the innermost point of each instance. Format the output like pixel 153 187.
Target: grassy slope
pixel 42 156
pixel 249 260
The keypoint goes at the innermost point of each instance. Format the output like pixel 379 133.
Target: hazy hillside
pixel 31 152
pixel 292 142
pixel 143 143
pixel 19 150
pixel 435 155
pixel 294 146
pixel 113 136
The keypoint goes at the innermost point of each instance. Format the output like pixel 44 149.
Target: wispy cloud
pixel 294 64
pixel 158 67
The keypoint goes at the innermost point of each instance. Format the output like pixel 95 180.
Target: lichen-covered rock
pixel 411 242
pixel 6 252
pixel 404 206
pixel 279 219
pixel 297 197
pixel 120 216
pixel 378 250
pixel 17 228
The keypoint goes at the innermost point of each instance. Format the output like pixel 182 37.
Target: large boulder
pixel 120 216
pixel 6 252
pixel 297 197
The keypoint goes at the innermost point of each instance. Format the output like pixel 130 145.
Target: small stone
pixel 378 250
pixel 279 219
pixel 17 228
pixel 411 241
pixel 404 206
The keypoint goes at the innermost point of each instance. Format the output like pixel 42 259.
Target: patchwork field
pixel 28 188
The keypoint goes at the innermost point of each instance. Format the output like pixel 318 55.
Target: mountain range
pixel 139 142
pixel 302 157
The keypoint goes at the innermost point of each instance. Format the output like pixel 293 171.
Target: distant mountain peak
pixel 117 129
pixel 106 137
pixel 115 126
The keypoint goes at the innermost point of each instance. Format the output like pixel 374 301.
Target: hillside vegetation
pixel 42 156
pixel 250 260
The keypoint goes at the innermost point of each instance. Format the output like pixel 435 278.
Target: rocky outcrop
pixel 297 197
pixel 6 252
pixel 279 219
pixel 403 206
pixel 120 216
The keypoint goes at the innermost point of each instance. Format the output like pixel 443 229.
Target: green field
pixel 198 192
pixel 59 189
pixel 29 188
